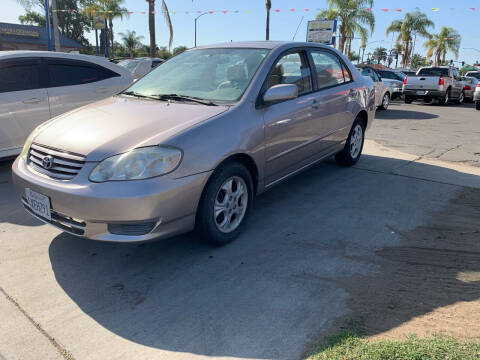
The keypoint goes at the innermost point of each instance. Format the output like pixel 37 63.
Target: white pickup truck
pixel 442 83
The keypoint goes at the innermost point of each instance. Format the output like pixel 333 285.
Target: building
pixel 28 37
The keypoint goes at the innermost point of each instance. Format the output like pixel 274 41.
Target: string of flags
pixel 291 10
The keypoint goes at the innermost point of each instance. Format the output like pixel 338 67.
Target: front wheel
pixel 408 100
pixel 461 98
pixel 446 99
pixel 385 102
pixel 353 146
pixel 477 105
pixel 225 204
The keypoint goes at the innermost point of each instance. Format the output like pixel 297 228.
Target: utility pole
pixel 56 35
pixel 47 26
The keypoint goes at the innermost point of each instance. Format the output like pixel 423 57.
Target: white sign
pixel 322 31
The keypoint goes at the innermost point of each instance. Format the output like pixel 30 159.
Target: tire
pixel 219 216
pixel 477 105
pixel 385 102
pixel 347 157
pixel 408 100
pixel 461 98
pixel 446 99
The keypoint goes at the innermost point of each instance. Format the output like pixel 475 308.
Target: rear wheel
pixel 225 205
pixel 354 145
pixel 445 100
pixel 477 105
pixel 385 102
pixel 408 100
pixel 461 98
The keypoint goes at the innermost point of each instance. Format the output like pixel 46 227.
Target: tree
pixel 418 61
pixel 131 41
pixel 354 19
pixel 72 24
pixel 151 25
pixel 268 6
pixel 439 44
pixel 412 24
pixel 396 51
pixel 380 54
pixel 163 53
pixel 353 56
pixel 179 50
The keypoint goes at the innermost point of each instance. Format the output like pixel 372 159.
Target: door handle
pixel 32 101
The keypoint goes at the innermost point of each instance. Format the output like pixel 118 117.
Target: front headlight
pixel 141 163
pixel 28 143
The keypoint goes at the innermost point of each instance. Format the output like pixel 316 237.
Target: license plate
pixel 39 204
pixel 420 92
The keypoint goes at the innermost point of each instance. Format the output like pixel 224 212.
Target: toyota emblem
pixel 47 162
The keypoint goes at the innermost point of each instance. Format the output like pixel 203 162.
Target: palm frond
pixel 168 20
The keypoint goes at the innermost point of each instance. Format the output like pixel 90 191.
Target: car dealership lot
pixel 267 295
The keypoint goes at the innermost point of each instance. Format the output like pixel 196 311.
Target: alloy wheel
pixel 386 100
pixel 230 204
pixel 356 141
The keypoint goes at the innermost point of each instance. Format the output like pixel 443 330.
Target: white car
pixel 140 66
pixel 38 85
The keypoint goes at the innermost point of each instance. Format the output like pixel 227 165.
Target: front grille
pixel 64 222
pixel 59 165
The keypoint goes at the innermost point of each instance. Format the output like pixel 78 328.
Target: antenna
pixel 298 27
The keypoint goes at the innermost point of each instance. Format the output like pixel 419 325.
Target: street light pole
pixel 47 24
pixel 205 13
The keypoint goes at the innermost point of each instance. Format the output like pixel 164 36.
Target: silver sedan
pixel 190 144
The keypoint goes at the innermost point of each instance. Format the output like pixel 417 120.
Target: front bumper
pixel 476 96
pixel 92 210
pixel 424 94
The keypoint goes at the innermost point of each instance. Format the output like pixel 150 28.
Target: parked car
pixel 441 83
pixel 475 74
pixel 408 72
pixel 190 144
pixel 139 67
pixel 383 89
pixel 36 86
pixel 476 96
pixel 394 80
pixel 470 83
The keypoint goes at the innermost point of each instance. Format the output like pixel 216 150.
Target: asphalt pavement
pixel 269 294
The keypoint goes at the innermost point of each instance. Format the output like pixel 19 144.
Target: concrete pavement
pixel 267 295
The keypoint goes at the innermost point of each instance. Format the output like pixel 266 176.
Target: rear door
pixel 457 83
pixel 74 83
pixel 377 83
pixel 334 91
pixel 23 101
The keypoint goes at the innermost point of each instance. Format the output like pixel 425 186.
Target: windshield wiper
pixel 133 93
pixel 185 98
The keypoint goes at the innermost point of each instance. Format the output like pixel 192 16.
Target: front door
pixel 290 125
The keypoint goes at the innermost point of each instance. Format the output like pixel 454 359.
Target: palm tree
pixel 439 44
pixel 412 24
pixel 268 6
pixel 380 54
pixel 110 10
pixel 354 19
pixel 151 25
pixel 131 41
pixel 396 51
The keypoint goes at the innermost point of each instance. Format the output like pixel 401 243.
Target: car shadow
pixel 281 284
pixel 401 114
pixel 16 215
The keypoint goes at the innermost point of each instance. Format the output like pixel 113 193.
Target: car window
pixel 328 68
pixel 130 64
pixel 19 77
pixel 372 74
pixel 433 71
pixel 474 74
pixel 155 63
pixel 68 73
pixel 292 69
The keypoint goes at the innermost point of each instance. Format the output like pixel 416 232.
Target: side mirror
pixel 281 92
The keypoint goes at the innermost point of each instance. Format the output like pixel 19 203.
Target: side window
pixel 104 73
pixel 67 73
pixel 292 69
pixel 19 77
pixel 346 73
pixel 375 76
pixel 328 68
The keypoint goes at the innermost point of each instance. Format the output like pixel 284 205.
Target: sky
pixel 249 22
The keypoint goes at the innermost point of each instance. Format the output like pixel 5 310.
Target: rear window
pixel 68 73
pixel 475 75
pixel 433 72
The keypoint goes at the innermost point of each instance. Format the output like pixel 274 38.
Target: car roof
pixel 264 44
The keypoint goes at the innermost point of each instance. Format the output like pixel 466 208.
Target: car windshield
pixel 433 72
pixel 475 75
pixel 391 75
pixel 129 64
pixel 220 74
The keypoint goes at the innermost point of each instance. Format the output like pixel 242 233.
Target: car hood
pixel 119 124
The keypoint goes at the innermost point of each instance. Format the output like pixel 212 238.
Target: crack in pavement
pixel 64 352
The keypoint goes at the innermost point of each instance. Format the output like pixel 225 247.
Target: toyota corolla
pixel 189 145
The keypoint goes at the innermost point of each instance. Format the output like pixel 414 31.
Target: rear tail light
pixel 441 81
pixel 405 80
pixel 478 85
pixel 467 87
